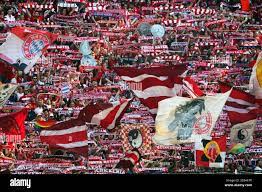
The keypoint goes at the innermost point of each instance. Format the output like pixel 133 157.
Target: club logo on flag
pixel 34 44
pixel 136 137
pixel 24 46
pixel 242 132
pixel 203 124
pixel 211 152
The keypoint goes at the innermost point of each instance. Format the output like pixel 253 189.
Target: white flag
pixel 6 90
pixel 243 133
pixel 24 46
pixel 183 120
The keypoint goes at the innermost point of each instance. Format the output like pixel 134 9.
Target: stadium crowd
pixel 218 45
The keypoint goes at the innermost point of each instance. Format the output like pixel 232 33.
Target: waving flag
pixel 243 133
pixel 211 152
pixel 105 115
pixel 13 124
pixel 240 106
pixel 183 120
pixel 242 112
pixel 25 46
pixel 255 84
pixel 154 84
pixel 69 135
pixel 152 90
pixel 6 91
pixel 192 88
pixel 138 75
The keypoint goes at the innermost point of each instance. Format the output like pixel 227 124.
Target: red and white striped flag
pixel 69 135
pixel 105 115
pixel 192 88
pixel 240 106
pixel 152 85
pixel 137 75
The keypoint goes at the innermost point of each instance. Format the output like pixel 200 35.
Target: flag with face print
pixel 183 120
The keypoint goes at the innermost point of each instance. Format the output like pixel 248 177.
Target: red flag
pixel 13 124
pixel 105 115
pixel 211 152
pixel 69 135
pixel 192 88
pixel 245 4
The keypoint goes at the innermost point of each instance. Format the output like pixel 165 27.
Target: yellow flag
pixel 255 83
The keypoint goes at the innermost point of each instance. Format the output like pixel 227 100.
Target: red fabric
pixel 13 124
pixel 241 106
pixel 6 71
pixel 252 63
pixel 68 140
pixel 213 154
pixel 194 87
pixel 99 76
pixel 259 38
pixel 221 142
pixel 170 71
pixel 148 79
pixel 24 32
pixel 237 94
pixel 134 156
pixel 109 118
pixel 245 4
pixel 200 163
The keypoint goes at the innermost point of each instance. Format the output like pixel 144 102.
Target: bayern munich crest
pixel 203 124
pixel 34 44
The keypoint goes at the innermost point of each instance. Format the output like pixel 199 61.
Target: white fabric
pixel 172 124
